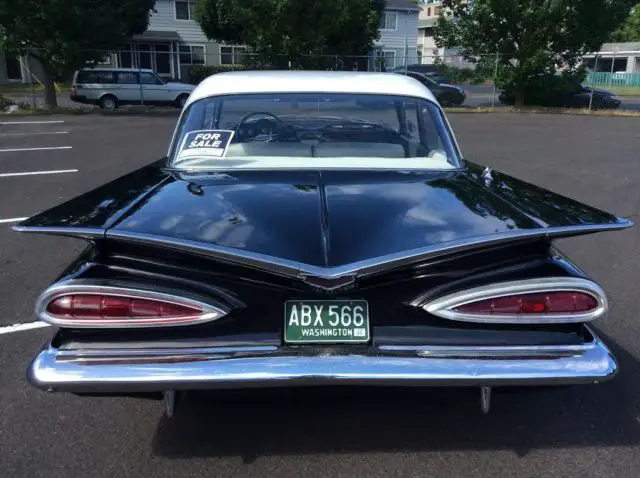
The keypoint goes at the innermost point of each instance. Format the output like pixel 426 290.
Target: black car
pixel 432 71
pixel 573 95
pixel 292 237
pixel 447 95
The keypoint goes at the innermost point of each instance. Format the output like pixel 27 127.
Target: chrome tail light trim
pixel 210 311
pixel 444 306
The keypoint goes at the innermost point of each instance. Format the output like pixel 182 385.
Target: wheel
pixel 108 102
pixel 181 101
pixel 446 100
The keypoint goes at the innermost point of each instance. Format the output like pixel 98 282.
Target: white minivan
pixel 112 87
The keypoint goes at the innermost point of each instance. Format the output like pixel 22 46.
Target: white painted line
pixel 33 134
pixel 31 122
pixel 13 219
pixel 35 173
pixel 20 327
pixel 14 150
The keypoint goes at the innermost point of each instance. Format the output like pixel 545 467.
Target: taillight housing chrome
pixel 532 301
pixel 98 306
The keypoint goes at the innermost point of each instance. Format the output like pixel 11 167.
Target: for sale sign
pixel 205 143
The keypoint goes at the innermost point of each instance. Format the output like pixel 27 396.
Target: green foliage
pixel 199 73
pixel 4 102
pixel 303 32
pixel 551 90
pixel 630 30
pixel 533 37
pixel 463 75
pixel 67 34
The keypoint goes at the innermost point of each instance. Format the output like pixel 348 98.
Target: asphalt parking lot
pixel 574 431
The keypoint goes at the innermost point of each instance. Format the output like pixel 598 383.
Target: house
pixel 174 43
pixel 397 44
pixel 615 58
pixel 428 51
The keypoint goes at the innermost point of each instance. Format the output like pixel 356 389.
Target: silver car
pixel 112 87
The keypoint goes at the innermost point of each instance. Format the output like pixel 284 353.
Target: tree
pixel 64 35
pixel 630 30
pixel 532 37
pixel 299 31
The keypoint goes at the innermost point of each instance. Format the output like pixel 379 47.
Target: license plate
pixel 326 321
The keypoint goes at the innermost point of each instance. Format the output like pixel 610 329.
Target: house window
pixel 13 68
pixel 429 11
pixel 192 54
pixel 436 11
pixel 232 55
pixel 389 21
pixel 185 9
pixel 389 58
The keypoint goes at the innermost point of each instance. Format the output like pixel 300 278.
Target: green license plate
pixel 326 321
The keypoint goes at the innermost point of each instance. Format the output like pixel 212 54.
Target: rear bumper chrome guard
pixel 113 371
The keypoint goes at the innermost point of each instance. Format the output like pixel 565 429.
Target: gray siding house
pixel 174 43
pixel 398 40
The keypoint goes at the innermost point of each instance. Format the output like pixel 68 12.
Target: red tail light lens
pixel 96 306
pixel 529 301
pixel 538 303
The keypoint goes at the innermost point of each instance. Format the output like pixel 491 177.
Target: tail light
pixel 92 306
pixel 74 91
pixel 534 301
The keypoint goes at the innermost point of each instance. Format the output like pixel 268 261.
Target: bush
pixel 547 89
pixel 4 102
pixel 463 75
pixel 199 73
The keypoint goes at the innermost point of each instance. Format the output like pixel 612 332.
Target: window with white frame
pixel 389 58
pixel 232 55
pixel 192 54
pixel 185 9
pixel 389 21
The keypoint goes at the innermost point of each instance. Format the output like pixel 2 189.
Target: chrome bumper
pixel 119 371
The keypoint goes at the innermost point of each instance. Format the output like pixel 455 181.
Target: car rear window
pixel 313 130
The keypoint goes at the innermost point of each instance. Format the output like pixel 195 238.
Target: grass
pixel 620 90
pixel 538 110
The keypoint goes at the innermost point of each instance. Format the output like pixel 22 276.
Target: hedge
pixel 199 73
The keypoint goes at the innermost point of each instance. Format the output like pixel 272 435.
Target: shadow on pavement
pixel 252 424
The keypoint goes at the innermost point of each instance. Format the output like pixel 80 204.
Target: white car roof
pixel 244 82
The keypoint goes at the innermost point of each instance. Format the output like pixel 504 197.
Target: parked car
pixel 292 237
pixel 432 71
pixel 447 95
pixel 569 95
pixel 112 87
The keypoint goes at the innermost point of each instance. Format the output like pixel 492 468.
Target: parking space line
pixel 31 122
pixel 20 327
pixel 13 219
pixel 34 134
pixel 35 173
pixel 49 148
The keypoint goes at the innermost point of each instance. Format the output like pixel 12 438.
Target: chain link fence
pixel 152 65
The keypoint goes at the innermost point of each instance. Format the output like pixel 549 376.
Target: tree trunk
pixel 519 97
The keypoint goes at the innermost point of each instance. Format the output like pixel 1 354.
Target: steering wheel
pixel 282 127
